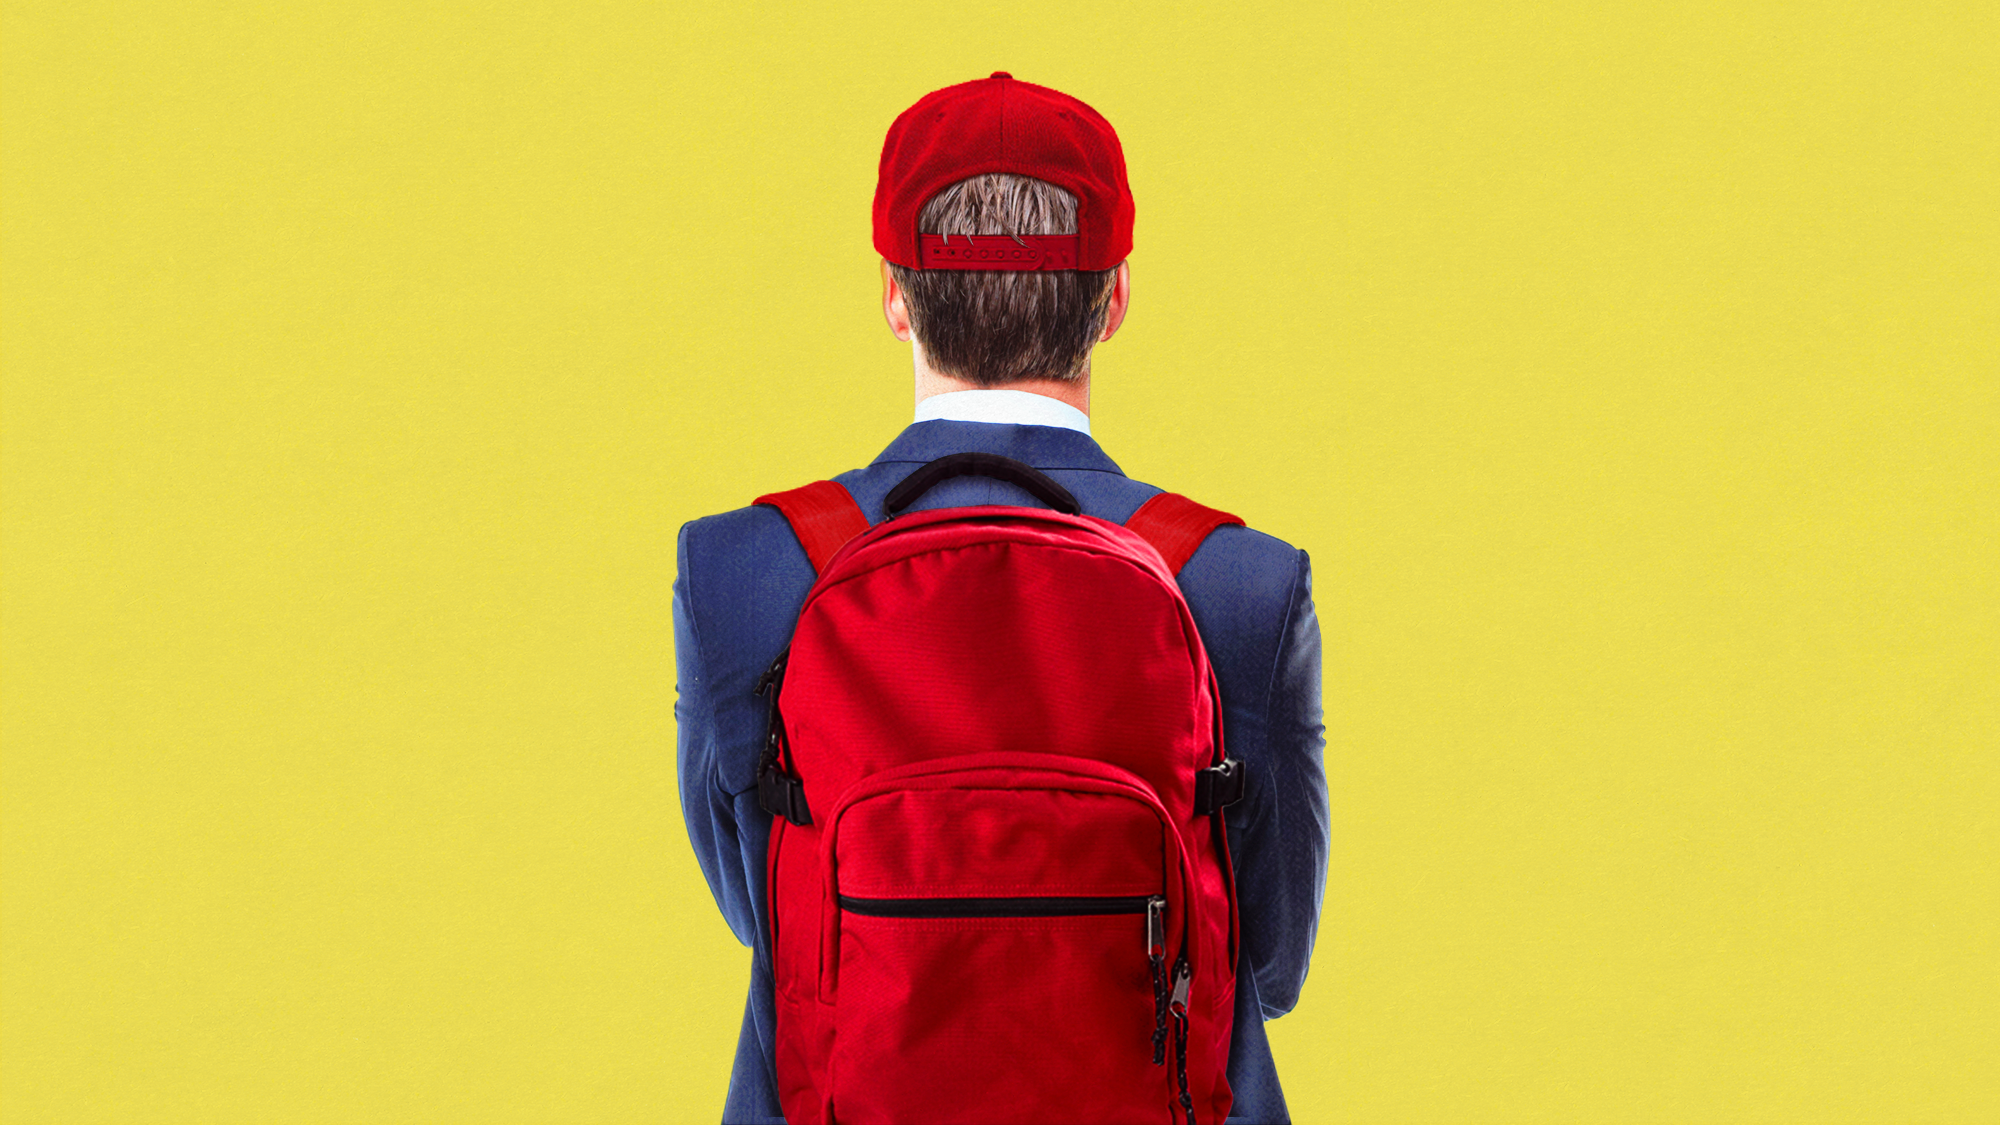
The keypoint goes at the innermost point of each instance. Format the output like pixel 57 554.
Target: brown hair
pixel 993 327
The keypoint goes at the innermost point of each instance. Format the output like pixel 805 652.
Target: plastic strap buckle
pixel 1218 787
pixel 781 794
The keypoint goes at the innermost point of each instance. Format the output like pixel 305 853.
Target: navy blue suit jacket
pixel 742 579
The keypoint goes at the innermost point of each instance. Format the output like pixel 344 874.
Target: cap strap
pixel 998 251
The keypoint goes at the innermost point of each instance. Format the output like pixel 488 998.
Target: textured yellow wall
pixel 1629 371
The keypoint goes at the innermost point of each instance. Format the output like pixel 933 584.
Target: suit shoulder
pixel 1255 547
pixel 741 561
pixel 1246 544
pixel 750 527
pixel 1240 577
pixel 1243 586
pixel 1255 566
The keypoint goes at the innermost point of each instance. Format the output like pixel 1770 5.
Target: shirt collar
pixel 1020 408
pixel 1044 447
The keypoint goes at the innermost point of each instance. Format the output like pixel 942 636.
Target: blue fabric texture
pixel 741 580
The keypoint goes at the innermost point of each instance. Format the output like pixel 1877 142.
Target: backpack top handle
pixel 1037 483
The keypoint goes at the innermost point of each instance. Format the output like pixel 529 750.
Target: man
pixel 1002 363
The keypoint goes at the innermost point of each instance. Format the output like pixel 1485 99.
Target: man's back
pixel 742 578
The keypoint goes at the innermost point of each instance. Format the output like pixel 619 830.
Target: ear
pixel 892 305
pixel 1121 299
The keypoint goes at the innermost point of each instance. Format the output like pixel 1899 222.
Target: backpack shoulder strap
pixel 822 514
pixel 1176 525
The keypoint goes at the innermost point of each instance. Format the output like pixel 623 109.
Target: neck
pixel 1076 393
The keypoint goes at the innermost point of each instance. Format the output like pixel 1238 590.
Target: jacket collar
pixel 1044 447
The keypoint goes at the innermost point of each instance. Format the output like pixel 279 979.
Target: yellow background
pixel 1629 372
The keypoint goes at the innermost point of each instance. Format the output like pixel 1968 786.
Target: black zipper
pixel 1169 998
pixel 994 907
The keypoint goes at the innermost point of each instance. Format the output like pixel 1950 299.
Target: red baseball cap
pixel 999 124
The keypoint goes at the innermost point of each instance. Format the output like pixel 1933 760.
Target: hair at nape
pixel 993 327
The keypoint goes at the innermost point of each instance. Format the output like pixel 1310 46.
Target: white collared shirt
pixel 1020 408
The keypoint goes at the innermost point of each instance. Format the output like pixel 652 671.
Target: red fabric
pixel 1176 525
pixel 822 514
pixel 997 703
pixel 1001 125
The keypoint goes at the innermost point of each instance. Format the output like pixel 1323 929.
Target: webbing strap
pixel 822 515
pixel 1176 525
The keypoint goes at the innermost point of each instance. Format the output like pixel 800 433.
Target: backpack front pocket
pixel 999 935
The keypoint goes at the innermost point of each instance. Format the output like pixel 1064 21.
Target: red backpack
pixel 999 884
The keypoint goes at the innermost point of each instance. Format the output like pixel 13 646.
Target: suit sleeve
pixel 706 808
pixel 1281 833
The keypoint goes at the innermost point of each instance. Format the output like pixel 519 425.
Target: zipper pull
pixel 1183 979
pixel 1156 952
pixel 772 674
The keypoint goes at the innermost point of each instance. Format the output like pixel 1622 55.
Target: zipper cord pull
pixel 774 673
pixel 1182 979
pixel 1159 1011
pixel 767 687
pixel 1156 952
